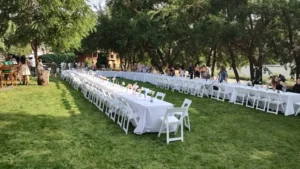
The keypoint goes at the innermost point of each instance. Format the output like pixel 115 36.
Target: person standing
pixel 25 72
pixel 197 71
pixel 32 67
pixel 182 71
pixel 204 72
pixel 223 75
pixel 190 70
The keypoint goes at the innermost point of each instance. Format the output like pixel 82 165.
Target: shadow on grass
pixel 46 141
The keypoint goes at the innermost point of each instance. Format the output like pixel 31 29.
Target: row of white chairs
pixel 259 99
pixel 195 87
pixel 121 112
pixel 116 108
pixel 265 101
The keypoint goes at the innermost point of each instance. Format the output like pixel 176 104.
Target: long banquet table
pixel 149 113
pixel 287 97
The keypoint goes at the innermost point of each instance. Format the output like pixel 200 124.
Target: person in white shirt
pixel 182 72
pixel 32 67
pixel 69 65
pixel 41 65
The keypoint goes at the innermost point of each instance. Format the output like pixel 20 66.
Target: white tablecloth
pixel 288 98
pixel 149 113
pixel 108 73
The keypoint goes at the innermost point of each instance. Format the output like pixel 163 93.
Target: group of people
pixel 143 68
pixel 21 68
pixel 197 71
pixel 203 72
pixel 278 83
pixel 78 65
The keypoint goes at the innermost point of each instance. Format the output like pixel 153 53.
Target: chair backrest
pixel 262 94
pixel 149 91
pixel 222 87
pixel 274 96
pixel 241 90
pixel 186 104
pixel 251 92
pixel 215 87
pixel 179 111
pixel 160 96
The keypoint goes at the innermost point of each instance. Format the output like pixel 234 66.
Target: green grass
pixel 56 127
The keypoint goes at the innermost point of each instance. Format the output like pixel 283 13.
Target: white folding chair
pixel 251 98
pixel 215 91
pixel 186 104
pixel 99 100
pixel 157 82
pixel 274 99
pixel 222 93
pixel 298 111
pixel 149 91
pixel 194 88
pixel 262 100
pixel 241 95
pixel 185 86
pixel 114 108
pixel 122 112
pixel 160 96
pixel 128 116
pixel 171 119
pixel 180 85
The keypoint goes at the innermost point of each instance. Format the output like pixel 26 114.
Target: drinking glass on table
pixel 283 89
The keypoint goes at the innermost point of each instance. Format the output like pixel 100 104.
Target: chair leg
pixel 187 122
pixel 265 105
pixel 160 130
pixel 168 134
pixel 181 127
pixel 298 111
pixel 127 125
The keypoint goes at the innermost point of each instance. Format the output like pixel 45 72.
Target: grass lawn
pixel 56 127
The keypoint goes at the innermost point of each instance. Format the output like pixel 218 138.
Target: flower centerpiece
pixel 144 90
pixel 151 94
pixel 139 91
pixel 134 87
pixel 129 86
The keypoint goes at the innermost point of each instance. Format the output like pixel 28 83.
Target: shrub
pixel 58 58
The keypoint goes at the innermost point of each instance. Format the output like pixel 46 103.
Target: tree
pixel 57 23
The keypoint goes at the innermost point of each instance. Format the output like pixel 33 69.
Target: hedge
pixel 58 58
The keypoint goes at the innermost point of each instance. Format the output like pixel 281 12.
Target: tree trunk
pixel 214 61
pixel 41 80
pixel 208 60
pixel 251 67
pixel 291 43
pixel 233 62
pixel 297 66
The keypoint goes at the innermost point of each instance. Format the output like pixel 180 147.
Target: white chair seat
pixel 297 103
pixel 298 111
pixel 171 120
pixel 276 102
